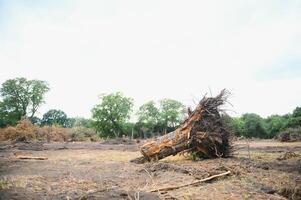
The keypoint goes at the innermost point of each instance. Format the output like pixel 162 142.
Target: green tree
pixel 7 117
pixel 111 114
pixel 275 124
pixel 233 124
pixel 149 115
pixel 22 98
pixel 55 117
pixel 238 126
pixel 36 121
pixel 254 126
pixel 80 122
pixel 172 113
pixel 297 112
pixel 294 120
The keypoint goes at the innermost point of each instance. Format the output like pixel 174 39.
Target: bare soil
pixel 259 170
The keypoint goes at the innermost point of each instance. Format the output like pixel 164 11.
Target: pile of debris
pixel 202 134
pixel 290 135
pixel 25 131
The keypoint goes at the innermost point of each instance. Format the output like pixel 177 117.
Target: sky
pixel 151 50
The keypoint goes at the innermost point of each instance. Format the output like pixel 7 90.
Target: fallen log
pixel 193 183
pixel 24 157
pixel 202 134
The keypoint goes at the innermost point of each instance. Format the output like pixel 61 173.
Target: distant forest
pixel 21 98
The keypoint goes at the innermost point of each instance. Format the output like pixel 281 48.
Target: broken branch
pixel 193 183
pixel 31 157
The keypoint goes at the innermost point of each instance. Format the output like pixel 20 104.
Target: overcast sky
pixel 156 49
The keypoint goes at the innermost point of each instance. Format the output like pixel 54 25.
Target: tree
pixel 111 114
pixel 36 121
pixel 171 113
pixel 80 122
pixel 6 117
pixel 275 124
pixel 254 126
pixel 297 112
pixel 294 120
pixel 22 98
pixel 149 115
pixel 233 124
pixel 55 117
pixel 238 126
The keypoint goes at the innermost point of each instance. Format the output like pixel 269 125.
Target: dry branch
pixel 193 183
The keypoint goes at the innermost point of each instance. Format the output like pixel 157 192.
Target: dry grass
pixel 258 155
pixel 266 143
pixel 7 182
pixel 26 131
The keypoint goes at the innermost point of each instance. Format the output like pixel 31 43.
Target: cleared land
pixel 263 169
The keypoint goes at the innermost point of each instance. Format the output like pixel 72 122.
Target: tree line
pixel 112 116
pixel 252 125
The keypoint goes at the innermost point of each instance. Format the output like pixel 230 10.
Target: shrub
pixel 290 135
pixel 26 131
pixel 83 134
pixel 54 133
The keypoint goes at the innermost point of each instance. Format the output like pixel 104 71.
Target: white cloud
pixel 153 50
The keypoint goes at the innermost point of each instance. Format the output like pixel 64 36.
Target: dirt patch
pixel 197 172
pixel 103 171
pixel 41 146
pixel 290 167
pixel 124 141
pixel 92 146
pixel 34 146
pixel 119 194
pixel 163 167
pixel 18 193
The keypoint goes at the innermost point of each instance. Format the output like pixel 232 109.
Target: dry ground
pixel 259 170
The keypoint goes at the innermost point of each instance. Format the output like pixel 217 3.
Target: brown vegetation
pixel 26 131
pixel 290 135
